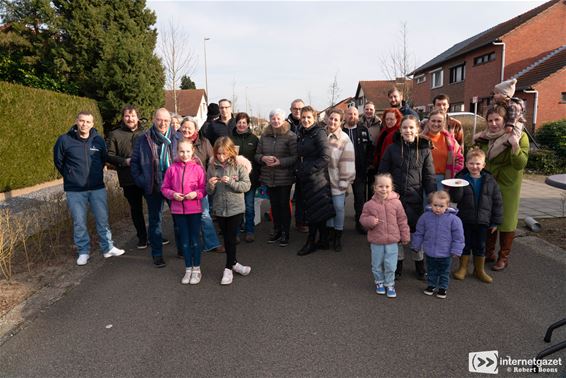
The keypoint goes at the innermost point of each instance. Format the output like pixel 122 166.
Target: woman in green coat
pixel 507 167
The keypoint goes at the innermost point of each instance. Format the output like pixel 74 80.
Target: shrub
pixel 30 122
pixel 552 135
pixel 545 162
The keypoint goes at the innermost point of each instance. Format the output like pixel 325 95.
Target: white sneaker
pixel 114 252
pixel 227 277
pixel 196 275
pixel 242 269
pixel 187 277
pixel 83 259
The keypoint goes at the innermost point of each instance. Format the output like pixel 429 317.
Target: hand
pixel 178 197
pixel 493 229
pixel 404 242
pixel 225 179
pixel 508 129
pixel 514 141
pixel 275 162
pixel 191 195
pixel 268 160
pixel 376 221
pixel 127 162
pixel 213 180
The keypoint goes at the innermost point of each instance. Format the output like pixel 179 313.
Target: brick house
pixel 342 105
pixel 190 102
pixel 376 92
pixel 529 47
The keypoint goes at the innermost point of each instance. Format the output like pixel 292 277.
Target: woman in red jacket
pixel 391 121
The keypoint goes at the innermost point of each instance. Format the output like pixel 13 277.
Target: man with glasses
pixel 224 125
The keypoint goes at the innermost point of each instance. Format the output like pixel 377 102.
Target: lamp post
pixel 205 68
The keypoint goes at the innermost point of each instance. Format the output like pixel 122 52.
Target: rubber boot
pixel 323 238
pixel 505 243
pixel 338 240
pixel 420 269
pixel 479 270
pixel 490 246
pixel 399 269
pixel 460 274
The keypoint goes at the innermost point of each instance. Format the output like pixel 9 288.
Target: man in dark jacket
pixel 120 143
pixel 222 126
pixel 373 123
pixel 359 135
pixel 294 120
pixel 79 156
pixel 396 101
pixel 212 115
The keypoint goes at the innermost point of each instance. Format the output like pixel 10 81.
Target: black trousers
pixel 359 189
pixel 229 227
pixel 279 197
pixel 134 195
pixel 476 236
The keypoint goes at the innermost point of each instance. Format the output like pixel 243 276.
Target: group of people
pixel 390 164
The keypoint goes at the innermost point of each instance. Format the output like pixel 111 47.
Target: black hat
pixel 213 110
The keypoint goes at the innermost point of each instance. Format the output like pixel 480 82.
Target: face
pixel 352 117
pixel 188 129
pixel 395 99
pixel 185 151
pixel 409 130
pixel 436 123
pixel 307 119
pixel 499 97
pixel 296 109
pixel 383 186
pixel 242 125
pixel 175 123
pixel 162 120
pixel 221 156
pixel 495 122
pixel 369 110
pixel 225 109
pixel 442 105
pixel 390 120
pixel 475 165
pixel 333 122
pixel 439 206
pixel 130 119
pixel 276 121
pixel 84 124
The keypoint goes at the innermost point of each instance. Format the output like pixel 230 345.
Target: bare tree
pixel 177 57
pixel 334 91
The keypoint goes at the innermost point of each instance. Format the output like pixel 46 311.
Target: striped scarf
pixel 165 155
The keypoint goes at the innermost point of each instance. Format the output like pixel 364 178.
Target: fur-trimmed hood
pixel 269 130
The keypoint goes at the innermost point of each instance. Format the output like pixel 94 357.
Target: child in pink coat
pixel 385 219
pixel 184 185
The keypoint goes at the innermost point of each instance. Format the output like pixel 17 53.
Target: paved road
pixel 293 316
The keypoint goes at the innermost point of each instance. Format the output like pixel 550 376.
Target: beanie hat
pixel 506 87
pixel 213 110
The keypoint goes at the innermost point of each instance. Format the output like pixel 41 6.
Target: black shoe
pixel 142 244
pixel 275 238
pixel 309 247
pixel 284 240
pixel 337 240
pixel 429 290
pixel 441 293
pixel 165 241
pixel 158 261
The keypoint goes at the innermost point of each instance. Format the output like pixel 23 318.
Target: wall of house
pixel 550 107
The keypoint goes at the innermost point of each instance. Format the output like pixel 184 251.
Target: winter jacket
pixel 406 110
pixel 120 143
pixel 488 211
pixel 312 174
pixel 294 124
pixel 410 164
pixel 247 142
pixel 392 226
pixel 384 139
pixel 80 161
pixel 439 235
pixel 228 198
pixel 508 169
pixel 281 143
pixel 360 138
pixel 373 125
pixel 185 178
pixel 455 160
pixel 342 165
pixel 218 128
pixel 203 150
pixel 455 128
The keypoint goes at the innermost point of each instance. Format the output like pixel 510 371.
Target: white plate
pixel 455 183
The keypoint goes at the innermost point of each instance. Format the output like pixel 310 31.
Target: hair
pixel 384 175
pixel 243 115
pixel 336 111
pixel 475 152
pixel 225 100
pixel 369 103
pixel 189 119
pixel 441 195
pixel 393 90
pixel 440 97
pixel 177 117
pixel 184 141
pixel 398 115
pixel 85 113
pixel 499 110
pixel 229 149
pixel 277 112
pixel 297 100
pixel 309 109
pixel 437 112
pixel 129 108
pixel 411 117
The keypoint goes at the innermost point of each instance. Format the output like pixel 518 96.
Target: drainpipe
pixel 502 58
pixel 535 106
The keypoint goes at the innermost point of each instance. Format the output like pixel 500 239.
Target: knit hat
pixel 213 110
pixel 506 87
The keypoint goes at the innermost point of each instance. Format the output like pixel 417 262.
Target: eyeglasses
pixel 297 109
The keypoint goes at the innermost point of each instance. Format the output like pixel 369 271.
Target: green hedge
pixel 30 122
pixel 545 162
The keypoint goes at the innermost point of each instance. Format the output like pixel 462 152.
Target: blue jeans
pixel 154 209
pixel 249 198
pixel 78 203
pixel 438 269
pixel 384 263
pixel 210 239
pixel 337 222
pixel 188 235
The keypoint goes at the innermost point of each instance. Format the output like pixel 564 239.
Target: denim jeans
pixel 249 198
pixel 188 230
pixel 337 222
pixel 384 263
pixel 78 203
pixel 210 239
pixel 476 236
pixel 155 214
pixel 438 269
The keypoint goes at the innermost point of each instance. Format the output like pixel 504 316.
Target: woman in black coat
pixel 313 180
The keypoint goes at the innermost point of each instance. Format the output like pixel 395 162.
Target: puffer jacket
pixel 392 226
pixel 361 140
pixel 488 211
pixel 247 142
pixel 184 178
pixel 312 173
pixel 228 198
pixel 439 235
pixel 281 143
pixel 411 166
pixel 120 143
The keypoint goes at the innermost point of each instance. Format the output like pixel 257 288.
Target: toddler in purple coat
pixel 441 235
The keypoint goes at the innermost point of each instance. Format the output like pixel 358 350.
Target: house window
pixel 458 107
pixel 563 97
pixel 484 58
pixel 420 79
pixel 437 78
pixel 457 73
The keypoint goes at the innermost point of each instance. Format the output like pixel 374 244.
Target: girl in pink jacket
pixel 385 219
pixel 184 185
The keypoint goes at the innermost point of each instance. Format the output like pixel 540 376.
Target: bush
pixel 30 122
pixel 545 162
pixel 552 136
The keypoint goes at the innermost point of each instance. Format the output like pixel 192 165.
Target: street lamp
pixel 205 68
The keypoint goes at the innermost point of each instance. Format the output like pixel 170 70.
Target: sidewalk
pixel 539 200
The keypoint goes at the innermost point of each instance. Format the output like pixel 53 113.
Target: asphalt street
pixel 316 315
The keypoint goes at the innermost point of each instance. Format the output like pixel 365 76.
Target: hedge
pixel 30 121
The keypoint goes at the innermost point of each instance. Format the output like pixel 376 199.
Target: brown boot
pixel 490 246
pixel 479 270
pixel 505 243
pixel 460 274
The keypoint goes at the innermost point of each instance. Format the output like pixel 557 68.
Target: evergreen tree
pixel 187 83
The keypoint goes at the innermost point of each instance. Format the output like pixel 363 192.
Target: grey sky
pixel 273 52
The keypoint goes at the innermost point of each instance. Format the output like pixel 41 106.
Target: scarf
pixel 165 154
pixel 497 142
